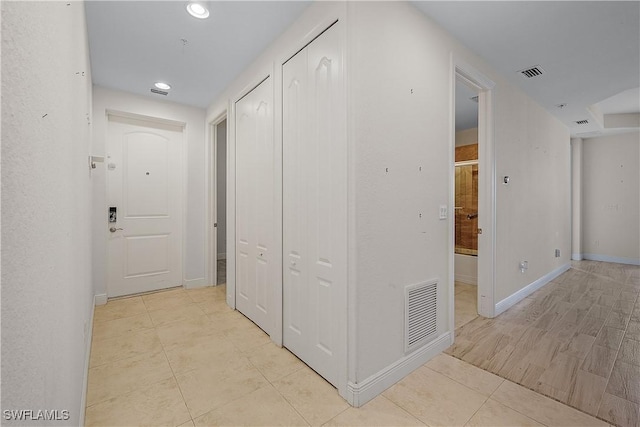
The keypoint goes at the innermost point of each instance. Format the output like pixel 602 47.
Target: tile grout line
pixel 400 407
pixel 164 352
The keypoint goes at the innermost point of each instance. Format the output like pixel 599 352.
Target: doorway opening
pixel 466 211
pixel 218 204
pixel 474 90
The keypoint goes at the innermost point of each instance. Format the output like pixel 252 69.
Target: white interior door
pixel 315 205
pixel 255 205
pixel 144 184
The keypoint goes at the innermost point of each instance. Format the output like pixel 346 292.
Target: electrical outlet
pixel 557 253
pixel 524 265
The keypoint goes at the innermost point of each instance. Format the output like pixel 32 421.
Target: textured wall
pixel 400 65
pixel 46 243
pixel 611 198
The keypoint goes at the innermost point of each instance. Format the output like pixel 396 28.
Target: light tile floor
pixel 183 358
pixel 466 303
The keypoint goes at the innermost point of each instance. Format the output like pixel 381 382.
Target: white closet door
pixel 315 204
pixel 254 205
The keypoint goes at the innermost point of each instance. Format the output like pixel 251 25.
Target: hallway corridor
pixel 183 358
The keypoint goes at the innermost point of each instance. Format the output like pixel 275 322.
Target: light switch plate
pixel 443 212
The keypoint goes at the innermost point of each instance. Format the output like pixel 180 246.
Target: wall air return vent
pixel 582 122
pixel 532 72
pixel 420 321
pixel 159 92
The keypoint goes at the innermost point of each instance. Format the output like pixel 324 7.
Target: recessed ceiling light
pixel 161 85
pixel 197 10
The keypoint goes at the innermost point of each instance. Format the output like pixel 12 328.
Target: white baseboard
pixel 100 299
pixel 222 256
pixel 529 289
pixel 195 283
pixel 576 257
pixel 87 358
pixel 463 278
pixel 607 258
pixel 360 393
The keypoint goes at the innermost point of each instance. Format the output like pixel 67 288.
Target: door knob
pixel 113 229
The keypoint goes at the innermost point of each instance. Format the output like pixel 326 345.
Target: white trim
pixel 469 280
pixel 609 258
pixel 231 203
pixel 360 393
pixel 487 181
pixel 576 257
pixel 529 289
pixel 97 300
pixel 451 221
pixel 211 196
pixel 144 118
pixel 100 299
pixel 194 283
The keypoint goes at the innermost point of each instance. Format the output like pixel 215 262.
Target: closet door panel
pixel 255 205
pixel 314 179
pixel 295 189
pixel 327 206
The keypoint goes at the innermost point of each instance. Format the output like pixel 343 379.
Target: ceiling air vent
pixel 582 122
pixel 532 72
pixel 474 98
pixel 159 92
pixel 420 314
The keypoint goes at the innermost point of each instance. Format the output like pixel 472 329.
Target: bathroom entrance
pixel 466 211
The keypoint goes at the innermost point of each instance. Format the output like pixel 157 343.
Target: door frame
pixel 211 154
pixel 486 187
pixel 183 171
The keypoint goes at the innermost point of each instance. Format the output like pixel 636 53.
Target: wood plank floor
pixel 576 340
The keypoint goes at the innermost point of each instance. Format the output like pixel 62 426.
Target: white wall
pixel 221 187
pixel 394 49
pixel 466 269
pixel 611 198
pixel 533 212
pixel 47 297
pixel 400 85
pixel 194 238
pixel 467 137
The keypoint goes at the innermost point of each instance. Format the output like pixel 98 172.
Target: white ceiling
pixel 136 43
pixel 589 50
